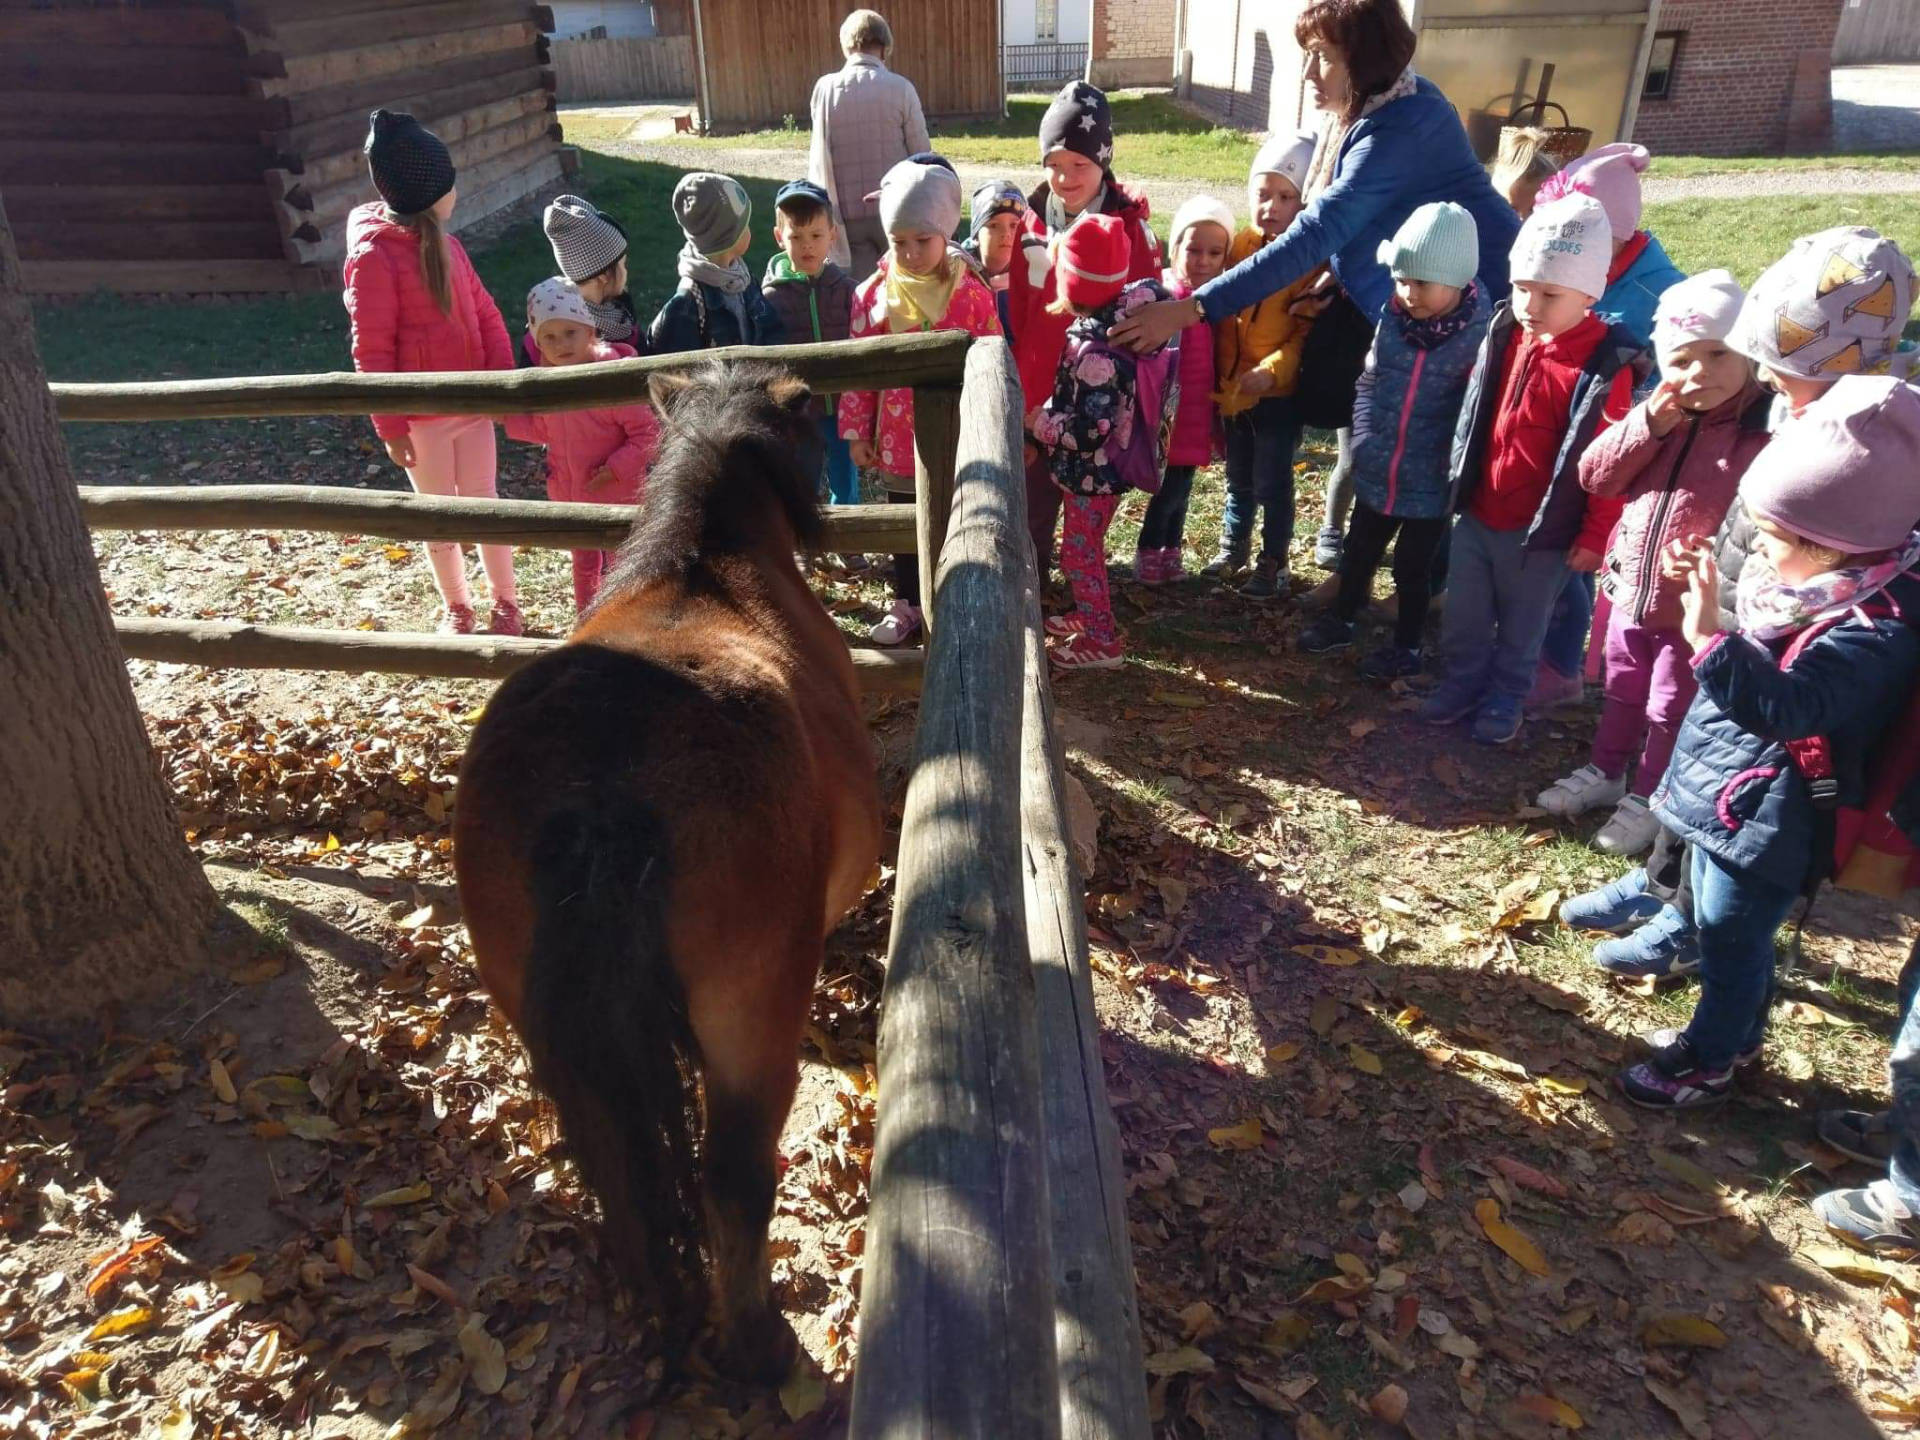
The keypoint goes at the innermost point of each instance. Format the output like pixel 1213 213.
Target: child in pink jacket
pixel 598 455
pixel 1197 245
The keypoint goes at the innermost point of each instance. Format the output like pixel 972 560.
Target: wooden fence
pixel 998 1299
pixel 1877 32
pixel 625 69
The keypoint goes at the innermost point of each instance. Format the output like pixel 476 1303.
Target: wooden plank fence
pixel 624 69
pixel 998 1299
pixel 1877 32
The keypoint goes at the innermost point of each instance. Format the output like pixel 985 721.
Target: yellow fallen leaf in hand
pixel 1364 1060
pixel 1509 1238
pixel 122 1322
pixel 1247 1135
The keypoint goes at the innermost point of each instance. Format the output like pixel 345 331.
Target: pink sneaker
pixel 1173 565
pixel 1150 567
pixel 1551 690
pixel 1065 627
pixel 506 619
pixel 458 620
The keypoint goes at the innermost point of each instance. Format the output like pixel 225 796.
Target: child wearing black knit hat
pixel 416 304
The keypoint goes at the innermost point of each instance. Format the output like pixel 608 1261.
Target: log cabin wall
pixel 213 146
pixel 759 60
pixel 132 151
pixel 475 72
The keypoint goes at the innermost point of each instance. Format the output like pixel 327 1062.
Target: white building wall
pixel 1074 21
pixel 624 19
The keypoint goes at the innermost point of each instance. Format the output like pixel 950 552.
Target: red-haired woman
pixel 1390 143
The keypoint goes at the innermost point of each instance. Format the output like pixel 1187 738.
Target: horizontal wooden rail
pixel 957 1315
pixel 233 645
pixel 404 515
pixel 884 362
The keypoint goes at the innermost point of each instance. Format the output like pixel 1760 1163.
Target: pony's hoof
pixel 760 1350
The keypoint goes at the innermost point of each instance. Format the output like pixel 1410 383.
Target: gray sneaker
pixel 1226 561
pixel 1326 549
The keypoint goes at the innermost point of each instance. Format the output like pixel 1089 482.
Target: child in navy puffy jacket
pixel 1827 648
pixel 1405 409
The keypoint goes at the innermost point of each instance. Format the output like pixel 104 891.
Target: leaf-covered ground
pixel 1377 1178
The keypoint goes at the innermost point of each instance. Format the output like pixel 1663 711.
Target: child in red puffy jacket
pixel 599 455
pixel 416 305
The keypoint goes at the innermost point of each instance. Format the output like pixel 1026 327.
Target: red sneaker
pixel 1065 627
pixel 1083 652
pixel 458 620
pixel 506 619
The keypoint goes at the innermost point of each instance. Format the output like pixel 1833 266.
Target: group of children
pixel 1731 475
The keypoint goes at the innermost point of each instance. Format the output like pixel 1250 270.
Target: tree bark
pixel 100 898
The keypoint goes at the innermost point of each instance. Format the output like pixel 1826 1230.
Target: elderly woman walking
pixel 866 120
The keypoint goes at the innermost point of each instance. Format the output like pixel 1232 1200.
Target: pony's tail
pixel 605 1023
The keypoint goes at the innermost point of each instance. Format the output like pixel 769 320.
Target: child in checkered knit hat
pixel 590 249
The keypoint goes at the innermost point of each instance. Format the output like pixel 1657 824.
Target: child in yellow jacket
pixel 1256 364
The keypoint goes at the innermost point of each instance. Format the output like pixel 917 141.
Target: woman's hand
pixel 1583 561
pixel 1257 382
pixel 400 451
pixel 1152 326
pixel 862 451
pixel 1316 300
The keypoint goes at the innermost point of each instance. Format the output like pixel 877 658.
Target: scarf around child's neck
pixel 1057 217
pixel 612 319
pixel 1436 330
pixel 919 302
pixel 1768 608
pixel 730 280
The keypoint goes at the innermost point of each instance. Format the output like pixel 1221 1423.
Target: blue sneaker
pixel 1665 946
pixel 1622 906
pixel 1448 706
pixel 1673 1079
pixel 1498 721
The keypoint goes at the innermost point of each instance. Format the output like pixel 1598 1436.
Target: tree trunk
pixel 100 898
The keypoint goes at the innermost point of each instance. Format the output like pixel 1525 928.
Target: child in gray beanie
pixel 717 302
pixel 590 248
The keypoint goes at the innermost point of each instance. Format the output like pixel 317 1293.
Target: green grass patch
pixel 1748 234
pixel 1686 167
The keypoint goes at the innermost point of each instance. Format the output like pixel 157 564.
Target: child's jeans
pixel 1499 599
pixel 1903 1067
pixel 589 569
pixel 1650 684
pixel 1260 444
pixel 1164 525
pixel 906 568
pixel 1083 555
pixel 455 455
pixel 1565 646
pixel 1737 914
pixel 843 479
pixel 1413 556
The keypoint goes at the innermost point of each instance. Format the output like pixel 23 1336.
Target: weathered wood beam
pixel 890 360
pixel 405 515
pixel 956 1326
pixel 234 645
pixel 936 435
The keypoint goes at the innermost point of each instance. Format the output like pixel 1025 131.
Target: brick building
pixel 1132 43
pixel 1736 77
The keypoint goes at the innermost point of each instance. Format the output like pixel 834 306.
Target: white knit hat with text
pixel 1567 243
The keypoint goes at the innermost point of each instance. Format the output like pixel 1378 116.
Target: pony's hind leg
pixel 754 1340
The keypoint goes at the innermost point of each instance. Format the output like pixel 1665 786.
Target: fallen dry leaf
pixel 222 1082
pixel 1288 1332
pixel 1551 1409
pixel 1676 1328
pixel 1389 1405
pixel 1187 1360
pixel 1280 1054
pixel 1364 1060
pixel 1247 1135
pixel 124 1321
pixel 1510 1239
pixel 1329 954
pixel 1688 1404
pixel 1528 1178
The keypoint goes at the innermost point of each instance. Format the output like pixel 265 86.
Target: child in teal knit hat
pixel 1404 411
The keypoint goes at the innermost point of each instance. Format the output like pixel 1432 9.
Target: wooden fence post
pixel 936 439
pixel 1103 1386
pixel 956 1330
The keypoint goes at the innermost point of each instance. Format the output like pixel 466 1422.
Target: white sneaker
pixel 1631 831
pixel 901 624
pixel 1585 789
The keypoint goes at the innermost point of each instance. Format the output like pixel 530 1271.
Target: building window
pixel 1046 21
pixel 1662 60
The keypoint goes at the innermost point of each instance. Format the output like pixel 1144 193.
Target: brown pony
pixel 658 824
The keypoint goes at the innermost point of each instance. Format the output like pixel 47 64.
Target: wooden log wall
pixel 760 60
pixel 476 72
pixel 132 150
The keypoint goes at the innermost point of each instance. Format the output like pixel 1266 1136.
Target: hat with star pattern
pixel 1079 120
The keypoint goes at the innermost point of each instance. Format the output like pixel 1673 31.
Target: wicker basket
pixel 1487 130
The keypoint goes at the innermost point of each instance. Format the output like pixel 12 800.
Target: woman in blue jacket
pixel 1391 142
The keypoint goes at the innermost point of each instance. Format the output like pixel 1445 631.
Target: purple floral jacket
pixel 1089 418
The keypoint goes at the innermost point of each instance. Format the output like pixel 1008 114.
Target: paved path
pixel 1876 107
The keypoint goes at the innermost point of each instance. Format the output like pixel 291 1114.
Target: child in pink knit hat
pixel 1826 651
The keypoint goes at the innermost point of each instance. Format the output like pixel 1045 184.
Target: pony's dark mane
pixel 729 450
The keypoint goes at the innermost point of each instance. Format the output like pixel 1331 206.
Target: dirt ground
pixel 1378 1180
